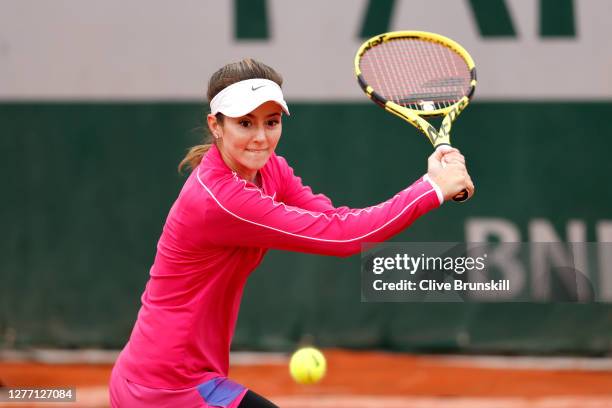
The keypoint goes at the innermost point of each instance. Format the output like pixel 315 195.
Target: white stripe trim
pixel 290 208
pixel 436 187
pixel 308 212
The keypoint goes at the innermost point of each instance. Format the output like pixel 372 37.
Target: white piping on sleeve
pixel 316 215
pixel 436 187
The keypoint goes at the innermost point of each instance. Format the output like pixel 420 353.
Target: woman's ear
pixel 213 125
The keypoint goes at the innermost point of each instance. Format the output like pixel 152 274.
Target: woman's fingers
pixel 453 157
pixel 446 167
pixel 470 185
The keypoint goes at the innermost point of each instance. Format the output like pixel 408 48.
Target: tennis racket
pixel 418 75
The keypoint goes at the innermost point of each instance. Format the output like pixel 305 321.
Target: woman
pixel 239 201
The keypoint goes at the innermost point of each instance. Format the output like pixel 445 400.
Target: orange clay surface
pixel 357 373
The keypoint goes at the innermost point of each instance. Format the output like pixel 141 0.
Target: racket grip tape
pixel 462 196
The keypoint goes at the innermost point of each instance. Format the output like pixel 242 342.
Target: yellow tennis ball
pixel 307 365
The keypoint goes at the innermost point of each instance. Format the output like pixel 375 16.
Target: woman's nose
pixel 260 133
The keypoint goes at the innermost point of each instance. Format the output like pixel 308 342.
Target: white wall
pixel 161 49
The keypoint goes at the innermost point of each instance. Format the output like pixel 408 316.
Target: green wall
pixel 87 187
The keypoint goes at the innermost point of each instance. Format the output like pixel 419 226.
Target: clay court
pixel 374 379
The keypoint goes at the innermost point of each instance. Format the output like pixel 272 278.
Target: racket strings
pixel 415 73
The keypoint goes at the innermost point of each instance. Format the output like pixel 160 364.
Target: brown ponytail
pixel 229 74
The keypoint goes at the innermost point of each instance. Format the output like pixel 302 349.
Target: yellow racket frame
pixel 415 117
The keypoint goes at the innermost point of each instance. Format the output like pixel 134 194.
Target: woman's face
pixel 247 142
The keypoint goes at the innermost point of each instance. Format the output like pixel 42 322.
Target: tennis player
pixel 240 200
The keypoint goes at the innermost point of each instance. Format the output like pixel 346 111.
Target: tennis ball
pixel 307 365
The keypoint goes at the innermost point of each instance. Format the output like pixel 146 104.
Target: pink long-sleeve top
pixel 216 234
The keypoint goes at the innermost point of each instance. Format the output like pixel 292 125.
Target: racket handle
pixel 462 196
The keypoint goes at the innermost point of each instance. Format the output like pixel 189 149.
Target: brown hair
pixel 229 74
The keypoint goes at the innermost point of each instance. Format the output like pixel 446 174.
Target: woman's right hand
pixel 452 176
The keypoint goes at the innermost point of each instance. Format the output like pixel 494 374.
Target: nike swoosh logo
pixel 254 89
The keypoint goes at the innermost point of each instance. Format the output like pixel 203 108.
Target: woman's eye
pixel 245 123
pixel 272 123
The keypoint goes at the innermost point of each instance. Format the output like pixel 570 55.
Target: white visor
pixel 245 96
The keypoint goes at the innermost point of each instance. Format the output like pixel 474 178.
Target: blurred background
pixel 100 100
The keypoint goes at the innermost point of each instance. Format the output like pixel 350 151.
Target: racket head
pixel 416 73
